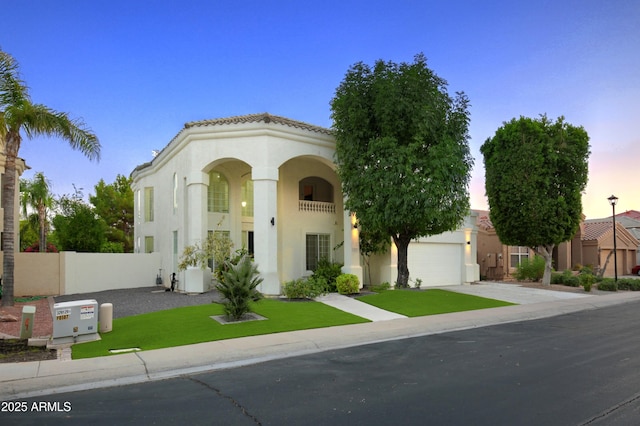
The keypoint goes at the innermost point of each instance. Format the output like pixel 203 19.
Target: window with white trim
pixel 218 193
pixel 318 246
pixel 247 198
pixel 175 193
pixel 517 255
pixel 148 244
pixel 148 204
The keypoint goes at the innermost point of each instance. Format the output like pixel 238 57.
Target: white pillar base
pixel 197 280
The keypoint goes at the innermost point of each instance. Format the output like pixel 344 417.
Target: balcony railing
pixel 316 207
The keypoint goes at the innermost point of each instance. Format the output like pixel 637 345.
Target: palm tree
pixel 18 113
pixel 36 193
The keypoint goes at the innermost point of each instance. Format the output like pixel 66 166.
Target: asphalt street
pixel 575 369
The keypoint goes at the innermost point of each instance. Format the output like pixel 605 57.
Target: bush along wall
pixel 628 284
pixel 348 284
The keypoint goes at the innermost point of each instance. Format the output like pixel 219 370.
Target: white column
pixel 352 247
pixel 265 227
pixel 471 269
pixel 196 209
pixel 196 280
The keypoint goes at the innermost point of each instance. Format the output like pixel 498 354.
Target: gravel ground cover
pixel 134 301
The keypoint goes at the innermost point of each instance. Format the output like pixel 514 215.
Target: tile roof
pixel 483 221
pixel 241 119
pixel 593 230
pixel 625 221
pixel 633 214
pixel 256 118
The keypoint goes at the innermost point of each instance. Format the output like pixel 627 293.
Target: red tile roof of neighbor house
pixel 483 221
pixel 633 214
pixel 595 230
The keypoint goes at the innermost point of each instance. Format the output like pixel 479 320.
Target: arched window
pixel 218 193
pixel 247 198
pixel 315 189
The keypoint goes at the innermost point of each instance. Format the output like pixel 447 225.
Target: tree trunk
pixel 42 217
pixel 8 202
pixel 547 253
pixel 402 244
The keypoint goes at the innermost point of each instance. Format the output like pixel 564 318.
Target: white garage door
pixel 436 264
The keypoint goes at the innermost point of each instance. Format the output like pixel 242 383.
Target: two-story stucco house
pixel 269 183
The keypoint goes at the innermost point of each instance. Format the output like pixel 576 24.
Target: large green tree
pixel 19 114
pixel 536 171
pixel 402 152
pixel 36 194
pixel 114 204
pixel 77 226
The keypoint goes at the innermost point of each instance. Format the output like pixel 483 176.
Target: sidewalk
pixel 33 379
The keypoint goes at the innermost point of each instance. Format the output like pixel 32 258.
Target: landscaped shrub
pixel 572 281
pixel 379 288
pixel 560 277
pixel 630 284
pixel 305 288
pixel 329 271
pixel 224 266
pixel 557 278
pixel 35 248
pixel 348 284
pixel 587 280
pixel 607 284
pixel 239 287
pixel 530 269
pixel 587 269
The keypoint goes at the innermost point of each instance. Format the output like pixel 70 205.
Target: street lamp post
pixel 613 200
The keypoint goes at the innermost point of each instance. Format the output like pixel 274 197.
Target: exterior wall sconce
pixel 355 226
pixel 273 221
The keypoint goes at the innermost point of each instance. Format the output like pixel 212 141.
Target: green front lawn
pixel 189 325
pixel 429 302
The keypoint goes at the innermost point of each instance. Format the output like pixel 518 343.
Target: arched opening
pixel 315 188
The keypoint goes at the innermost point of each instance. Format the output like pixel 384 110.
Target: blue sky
pixel 136 71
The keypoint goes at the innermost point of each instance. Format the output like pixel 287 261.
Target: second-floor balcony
pixel 316 207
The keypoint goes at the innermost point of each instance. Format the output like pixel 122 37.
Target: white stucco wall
pixel 275 157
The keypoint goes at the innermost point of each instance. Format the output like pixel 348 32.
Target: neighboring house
pixel 498 261
pixel 631 221
pixel 270 184
pixel 598 243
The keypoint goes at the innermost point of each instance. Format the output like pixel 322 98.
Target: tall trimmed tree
pixel 18 114
pixel 36 193
pixel 402 152
pixel 536 171
pixel 114 203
